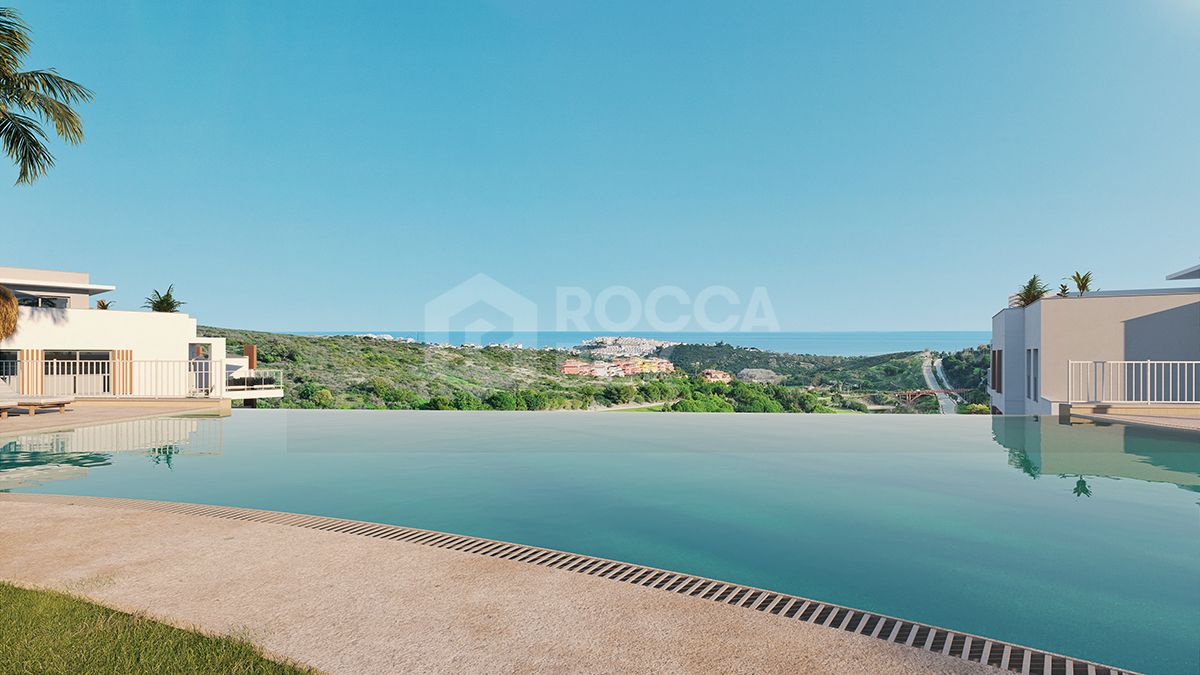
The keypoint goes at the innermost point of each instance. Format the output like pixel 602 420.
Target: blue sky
pixel 875 166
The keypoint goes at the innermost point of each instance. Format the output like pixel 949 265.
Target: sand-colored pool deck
pixel 352 602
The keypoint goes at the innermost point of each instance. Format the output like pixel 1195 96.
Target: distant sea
pixel 842 343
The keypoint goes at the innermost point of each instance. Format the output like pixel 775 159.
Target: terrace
pixel 98 375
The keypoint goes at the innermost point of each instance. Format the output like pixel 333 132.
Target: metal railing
pixel 251 379
pixel 117 378
pixel 1133 381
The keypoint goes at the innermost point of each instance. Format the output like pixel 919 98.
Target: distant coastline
pixel 825 343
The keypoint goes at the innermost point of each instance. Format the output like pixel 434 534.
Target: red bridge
pixel 910 396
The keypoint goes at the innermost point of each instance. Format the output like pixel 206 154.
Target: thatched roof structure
pixel 8 313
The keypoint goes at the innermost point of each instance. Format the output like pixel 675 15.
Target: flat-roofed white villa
pixel 65 347
pixel 1103 349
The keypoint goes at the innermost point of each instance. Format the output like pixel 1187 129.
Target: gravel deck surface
pixel 350 604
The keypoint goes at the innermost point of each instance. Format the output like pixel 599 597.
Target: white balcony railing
pixel 116 378
pixel 1133 381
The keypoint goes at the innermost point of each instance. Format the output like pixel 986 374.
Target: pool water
pixel 1078 539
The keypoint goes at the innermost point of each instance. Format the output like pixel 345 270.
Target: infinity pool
pixel 1082 540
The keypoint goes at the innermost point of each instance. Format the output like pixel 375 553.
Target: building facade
pixel 65 346
pixel 1138 347
pixel 714 375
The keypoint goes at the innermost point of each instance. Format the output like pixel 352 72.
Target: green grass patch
pixel 49 632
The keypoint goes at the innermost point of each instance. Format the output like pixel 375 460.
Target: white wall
pixel 152 336
pixel 1008 334
pixel 76 300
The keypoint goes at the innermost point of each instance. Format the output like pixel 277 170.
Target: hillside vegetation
pixel 886 372
pixel 356 372
pixel 361 372
pixel 968 369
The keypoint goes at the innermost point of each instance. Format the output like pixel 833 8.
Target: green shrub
pixel 501 400
pixel 465 400
pixel 439 403
pixel 702 403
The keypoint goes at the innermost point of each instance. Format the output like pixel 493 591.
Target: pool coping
pixel 973 648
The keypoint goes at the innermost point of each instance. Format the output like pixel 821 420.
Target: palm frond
pixel 25 142
pixel 29 94
pixel 14 40
pixel 8 313
pixel 66 121
pixel 49 82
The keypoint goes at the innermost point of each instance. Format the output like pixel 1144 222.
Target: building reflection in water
pixel 1041 446
pixel 34 459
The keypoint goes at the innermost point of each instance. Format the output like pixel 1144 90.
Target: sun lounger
pixel 33 403
pixel 5 404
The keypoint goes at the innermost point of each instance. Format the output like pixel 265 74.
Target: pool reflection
pixel 1044 446
pixel 33 459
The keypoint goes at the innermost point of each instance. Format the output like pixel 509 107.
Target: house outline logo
pixel 480 289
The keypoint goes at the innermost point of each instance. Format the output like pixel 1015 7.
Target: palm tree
pixel 8 313
pixel 26 95
pixel 1083 282
pixel 103 304
pixel 1032 291
pixel 1063 291
pixel 164 302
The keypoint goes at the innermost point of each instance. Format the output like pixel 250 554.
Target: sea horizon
pixel 823 343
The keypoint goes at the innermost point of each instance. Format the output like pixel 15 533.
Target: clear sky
pixel 299 165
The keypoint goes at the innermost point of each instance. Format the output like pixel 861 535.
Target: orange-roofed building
pixel 574 367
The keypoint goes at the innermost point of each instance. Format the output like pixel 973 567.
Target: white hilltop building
pixel 66 347
pixel 1101 350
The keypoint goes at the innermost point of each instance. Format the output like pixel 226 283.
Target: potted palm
pixel 163 302
pixel 1083 282
pixel 1031 292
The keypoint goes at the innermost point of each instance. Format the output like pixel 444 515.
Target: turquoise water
pixel 829 343
pixel 1082 540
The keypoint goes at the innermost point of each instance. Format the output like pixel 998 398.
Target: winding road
pixel 946 404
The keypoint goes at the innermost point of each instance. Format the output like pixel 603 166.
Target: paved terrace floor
pixel 1187 423
pixel 88 413
pixel 354 604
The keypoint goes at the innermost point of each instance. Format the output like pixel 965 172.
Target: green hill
pixel 886 372
pixel 362 372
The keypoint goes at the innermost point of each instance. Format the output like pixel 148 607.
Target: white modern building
pixel 1127 348
pixel 65 346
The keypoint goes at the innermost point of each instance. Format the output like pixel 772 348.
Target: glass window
pixel 47 301
pixel 998 370
pixel 60 356
pixel 199 351
pixel 1036 368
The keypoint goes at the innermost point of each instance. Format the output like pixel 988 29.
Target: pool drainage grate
pixel 1003 655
